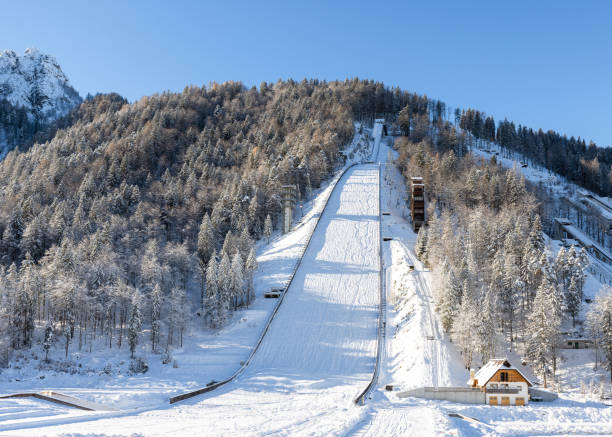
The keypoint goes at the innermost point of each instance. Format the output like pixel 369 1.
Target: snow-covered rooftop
pixel 487 371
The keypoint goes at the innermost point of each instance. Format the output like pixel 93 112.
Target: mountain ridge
pixel 34 92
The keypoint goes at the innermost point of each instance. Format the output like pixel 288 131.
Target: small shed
pixel 576 343
pixel 502 383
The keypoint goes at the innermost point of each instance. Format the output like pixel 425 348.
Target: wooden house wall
pixel 513 376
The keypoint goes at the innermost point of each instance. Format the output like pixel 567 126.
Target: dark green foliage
pixel 588 166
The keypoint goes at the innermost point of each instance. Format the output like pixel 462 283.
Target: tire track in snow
pixel 426 298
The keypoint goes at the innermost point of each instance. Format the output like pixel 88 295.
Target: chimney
pixel 472 375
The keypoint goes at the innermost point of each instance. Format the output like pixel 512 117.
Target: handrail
pixel 360 399
pixel 244 365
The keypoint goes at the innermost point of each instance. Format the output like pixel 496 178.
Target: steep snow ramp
pixel 328 324
pixel 318 354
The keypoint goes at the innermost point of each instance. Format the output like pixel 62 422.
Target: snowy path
pixel 318 354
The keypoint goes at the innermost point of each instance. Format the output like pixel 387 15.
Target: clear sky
pixel 540 63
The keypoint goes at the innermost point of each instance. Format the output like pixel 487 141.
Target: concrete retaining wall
pixel 545 395
pixel 463 395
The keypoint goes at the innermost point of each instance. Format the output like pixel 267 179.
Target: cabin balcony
pixel 512 391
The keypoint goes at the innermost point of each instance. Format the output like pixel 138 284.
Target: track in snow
pixel 426 296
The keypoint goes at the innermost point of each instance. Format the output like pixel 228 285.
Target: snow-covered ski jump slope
pixel 319 352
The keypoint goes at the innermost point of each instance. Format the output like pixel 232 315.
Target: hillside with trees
pixel 585 164
pixel 494 282
pixel 136 217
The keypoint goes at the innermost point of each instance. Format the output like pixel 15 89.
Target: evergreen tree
pixel 48 340
pixel 268 228
pixel 237 279
pixel 487 326
pixel 251 266
pixel 212 292
pixel 420 246
pixel 67 338
pixel 135 325
pixel 543 328
pixel 573 299
pixel 467 325
pixel 206 241
pixel 599 322
pixel 229 245
pixel 449 298
pixel 224 281
pixel 156 303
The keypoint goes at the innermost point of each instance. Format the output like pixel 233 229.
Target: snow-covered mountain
pixel 34 91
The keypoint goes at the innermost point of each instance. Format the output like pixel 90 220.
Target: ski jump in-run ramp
pixel 320 349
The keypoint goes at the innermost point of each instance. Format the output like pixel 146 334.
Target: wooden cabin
pixel 417 202
pixel 502 383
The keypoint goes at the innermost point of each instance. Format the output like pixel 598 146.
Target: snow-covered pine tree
pixel 24 305
pixel 599 322
pixel 420 247
pixel 543 328
pixel 206 247
pixel 225 289
pixel 449 297
pixel 135 324
pixel 510 294
pixel 67 338
pixel 245 242
pixel 536 240
pixel 268 228
pixel 487 325
pixel 212 291
pixel 176 314
pixel 5 338
pixel 573 299
pixel 561 268
pixel 251 266
pixel 156 303
pixel 237 280
pixel 580 264
pixel 48 340
pixel 466 325
pixel 307 187
pixel 183 314
pixel 229 246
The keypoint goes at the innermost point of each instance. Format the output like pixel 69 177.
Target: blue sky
pixel 540 63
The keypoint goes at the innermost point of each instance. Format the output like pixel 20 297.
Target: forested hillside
pixel 118 222
pixel 586 165
pixel 495 285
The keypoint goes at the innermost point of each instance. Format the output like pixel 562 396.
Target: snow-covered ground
pixel 320 350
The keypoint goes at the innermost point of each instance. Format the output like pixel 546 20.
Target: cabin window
pixel 503 376
pixel 569 343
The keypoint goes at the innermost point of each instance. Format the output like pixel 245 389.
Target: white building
pixel 502 383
